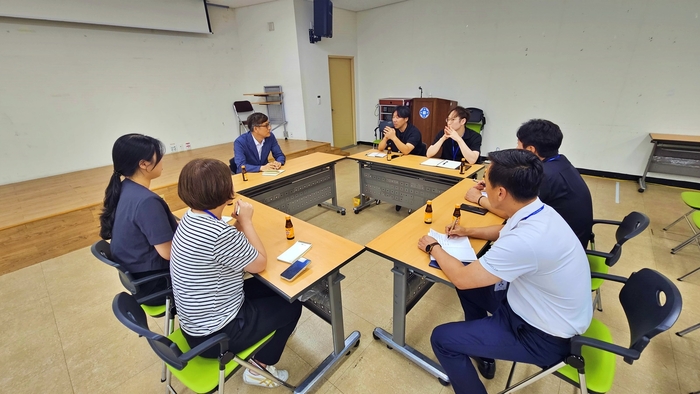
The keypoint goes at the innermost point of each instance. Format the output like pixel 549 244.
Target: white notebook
pixel 294 252
pixel 376 154
pixel 457 247
pixel 451 164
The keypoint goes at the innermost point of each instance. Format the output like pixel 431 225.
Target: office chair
pixel 477 119
pixel 242 109
pixel 631 226
pixel 591 363
pixel 199 374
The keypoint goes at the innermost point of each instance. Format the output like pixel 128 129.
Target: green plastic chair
pixel 695 219
pixel 591 362
pixel 631 225
pixel 199 374
pixel 477 119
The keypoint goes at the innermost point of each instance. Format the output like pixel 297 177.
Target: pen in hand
pixel 452 227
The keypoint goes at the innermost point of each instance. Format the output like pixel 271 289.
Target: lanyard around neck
pixel 208 212
pixel 552 158
pixel 533 214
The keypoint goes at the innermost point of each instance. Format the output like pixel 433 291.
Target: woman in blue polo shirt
pixel 138 221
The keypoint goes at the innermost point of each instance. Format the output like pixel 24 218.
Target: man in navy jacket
pixel 253 148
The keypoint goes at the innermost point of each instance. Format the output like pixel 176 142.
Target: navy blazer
pixel 245 153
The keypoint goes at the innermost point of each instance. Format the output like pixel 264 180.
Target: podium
pixel 429 114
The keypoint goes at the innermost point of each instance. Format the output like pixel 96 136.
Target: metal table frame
pixel 672 155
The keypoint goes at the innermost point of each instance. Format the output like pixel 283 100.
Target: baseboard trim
pixel 628 177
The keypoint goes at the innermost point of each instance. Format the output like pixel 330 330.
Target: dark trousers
pixel 503 335
pixel 262 312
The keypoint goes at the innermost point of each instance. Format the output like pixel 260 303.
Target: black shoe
pixel 398 208
pixel 487 369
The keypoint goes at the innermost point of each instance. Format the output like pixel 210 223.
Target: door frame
pixel 352 93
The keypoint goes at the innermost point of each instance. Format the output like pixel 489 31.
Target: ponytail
pixel 127 152
pixel 114 189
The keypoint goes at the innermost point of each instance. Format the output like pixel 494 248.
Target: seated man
pixel 457 141
pixel 253 148
pixel 562 188
pixel 548 300
pixel 403 137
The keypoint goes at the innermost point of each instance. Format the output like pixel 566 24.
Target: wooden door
pixel 342 84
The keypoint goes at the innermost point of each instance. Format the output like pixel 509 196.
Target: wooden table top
pixel 291 167
pixel 675 137
pixel 413 162
pixel 328 252
pixel 400 242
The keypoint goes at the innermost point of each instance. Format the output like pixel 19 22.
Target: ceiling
pixel 350 5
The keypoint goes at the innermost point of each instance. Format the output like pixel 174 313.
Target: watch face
pixel 427 248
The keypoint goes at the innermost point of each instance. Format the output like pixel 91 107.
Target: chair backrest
pixel 648 313
pixel 631 226
pixel 477 119
pixel 242 109
pixel 101 251
pixel 130 314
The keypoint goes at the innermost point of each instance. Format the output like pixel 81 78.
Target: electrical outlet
pixel 181 148
pixel 173 147
pixel 188 146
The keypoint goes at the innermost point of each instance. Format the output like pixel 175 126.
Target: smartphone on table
pixel 295 269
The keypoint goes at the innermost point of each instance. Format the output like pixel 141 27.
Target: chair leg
pixel 510 375
pixel 688 274
pixel 222 380
pixel 685 243
pixel 598 300
pixel 262 371
pixel 687 330
pixel 582 383
pixel 167 329
pixel 679 219
pixel 532 379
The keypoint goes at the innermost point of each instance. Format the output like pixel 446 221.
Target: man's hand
pixel 425 241
pixel 270 166
pixel 458 231
pixel 389 132
pixel 449 133
pixel 474 193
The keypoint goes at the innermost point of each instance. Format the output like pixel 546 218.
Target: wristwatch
pixel 429 248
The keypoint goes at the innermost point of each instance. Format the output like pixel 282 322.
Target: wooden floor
pixel 48 217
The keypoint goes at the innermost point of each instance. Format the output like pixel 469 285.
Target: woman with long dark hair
pixel 138 221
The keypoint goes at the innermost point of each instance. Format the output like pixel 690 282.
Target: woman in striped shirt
pixel 207 265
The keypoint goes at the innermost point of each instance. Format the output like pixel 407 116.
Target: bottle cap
pixel 429 202
pixel 288 217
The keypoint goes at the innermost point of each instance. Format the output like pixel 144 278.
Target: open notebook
pixel 451 164
pixel 457 247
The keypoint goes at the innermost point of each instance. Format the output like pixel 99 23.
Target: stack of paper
pixel 272 172
pixel 457 247
pixel 376 154
pixel 441 163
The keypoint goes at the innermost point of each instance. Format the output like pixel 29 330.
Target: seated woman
pixel 138 221
pixel 209 258
pixel 457 141
pixel 253 148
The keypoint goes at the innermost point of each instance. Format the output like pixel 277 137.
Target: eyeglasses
pixel 265 125
pixel 448 120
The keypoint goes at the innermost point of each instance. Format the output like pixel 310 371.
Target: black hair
pixel 519 171
pixel 541 134
pixel 461 113
pixel 255 119
pixel 403 111
pixel 127 153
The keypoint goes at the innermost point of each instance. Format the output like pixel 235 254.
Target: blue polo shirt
pixel 142 220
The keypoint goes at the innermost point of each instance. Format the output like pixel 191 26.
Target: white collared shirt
pixel 550 279
pixel 258 146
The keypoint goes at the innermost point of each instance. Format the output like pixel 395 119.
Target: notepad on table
pixel 376 154
pixel 451 164
pixel 294 252
pixel 272 172
pixel 457 247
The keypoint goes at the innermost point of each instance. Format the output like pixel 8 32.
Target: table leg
pixel 397 341
pixel 334 195
pixel 643 179
pixel 341 345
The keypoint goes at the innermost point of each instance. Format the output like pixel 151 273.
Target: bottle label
pixel 428 217
pixel 290 232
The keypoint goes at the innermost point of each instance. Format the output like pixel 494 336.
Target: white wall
pixel 68 91
pixel 607 72
pixel 314 65
pixel 272 58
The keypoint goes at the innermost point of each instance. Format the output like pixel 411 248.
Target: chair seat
pixel 692 199
pixel 600 365
pixel 695 218
pixel 201 375
pixel 154 311
pixel 597 264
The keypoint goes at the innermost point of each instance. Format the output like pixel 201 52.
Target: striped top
pixel 206 264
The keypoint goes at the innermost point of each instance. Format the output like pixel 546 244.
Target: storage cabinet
pixel 387 106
